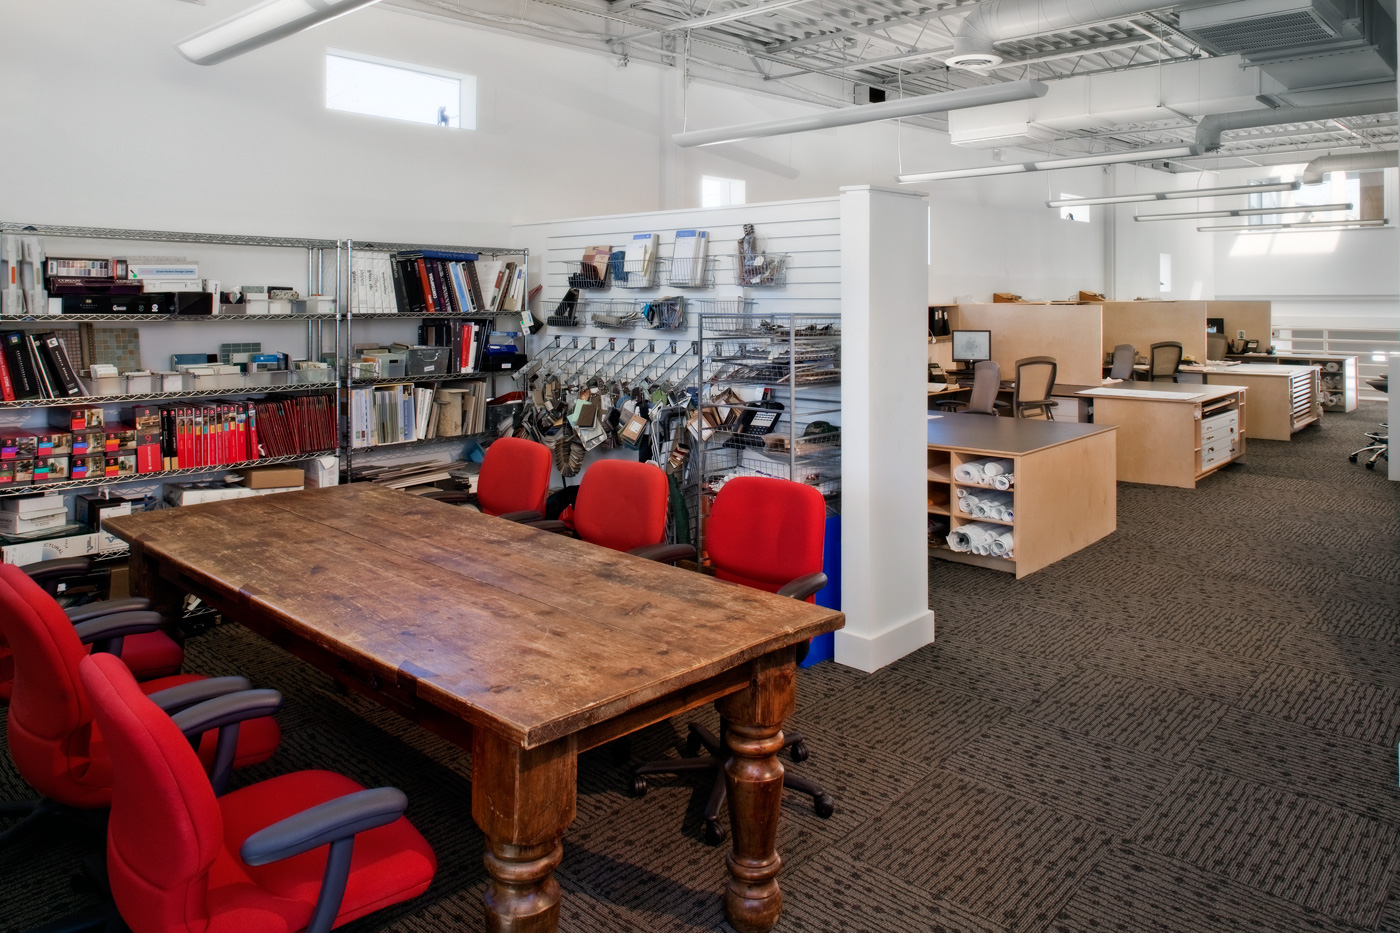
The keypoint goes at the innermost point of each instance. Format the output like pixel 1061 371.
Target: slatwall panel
pixel 808 231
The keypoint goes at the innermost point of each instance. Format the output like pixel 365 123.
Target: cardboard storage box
pixel 50 469
pixel 87 467
pixel 272 477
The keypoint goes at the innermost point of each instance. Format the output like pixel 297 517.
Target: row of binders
pixel 36 365
pixel 402 413
pixel 194 436
pixel 434 282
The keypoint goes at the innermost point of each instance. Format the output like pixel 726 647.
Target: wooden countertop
pixel 1256 369
pixel 1199 391
pixel 531 634
pixel 1289 355
pixel 1005 437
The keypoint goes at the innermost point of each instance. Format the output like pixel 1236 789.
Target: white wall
pixel 248 147
pixel 1139 245
pixel 1323 278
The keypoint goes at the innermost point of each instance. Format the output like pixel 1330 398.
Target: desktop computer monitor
pixel 972 346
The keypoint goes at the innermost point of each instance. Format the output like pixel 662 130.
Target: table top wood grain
pixel 530 634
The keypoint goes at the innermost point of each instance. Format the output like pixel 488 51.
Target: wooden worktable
pixel 1282 399
pixel 1340 380
pixel 1160 438
pixel 524 646
pixel 1064 494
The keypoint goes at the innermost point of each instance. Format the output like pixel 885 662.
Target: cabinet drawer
pixel 1224 432
pixel 1212 454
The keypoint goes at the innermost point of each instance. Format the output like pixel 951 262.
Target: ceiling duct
pixel 993 21
pixel 1252 25
pixel 1308 46
pixel 1320 167
pixel 1208 131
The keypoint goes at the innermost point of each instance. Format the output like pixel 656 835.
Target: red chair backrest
pixel 622 504
pixel 765 532
pixel 50 717
pixel 514 477
pixel 166 828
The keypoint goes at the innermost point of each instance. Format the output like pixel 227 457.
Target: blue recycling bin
pixel 824 646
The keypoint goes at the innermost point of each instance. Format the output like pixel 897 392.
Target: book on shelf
pixel 597 257
pixel 639 255
pixel 689 256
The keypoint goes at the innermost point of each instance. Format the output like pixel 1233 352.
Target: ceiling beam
pixel 714 19
pixel 874 29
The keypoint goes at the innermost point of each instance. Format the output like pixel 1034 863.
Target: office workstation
pixel 471 481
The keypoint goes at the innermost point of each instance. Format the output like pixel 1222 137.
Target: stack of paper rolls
pixel 995 505
pixel 984 472
pixel 1002 544
pixel 975 538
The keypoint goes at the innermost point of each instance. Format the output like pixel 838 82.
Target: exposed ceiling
pixel 835 52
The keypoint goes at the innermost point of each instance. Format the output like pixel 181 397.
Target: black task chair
pixel 768 534
pixel 1035 377
pixel 1124 356
pixel 1380 440
pixel 1163 361
pixel 986 382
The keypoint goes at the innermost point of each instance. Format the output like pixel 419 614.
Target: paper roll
pixel 969 473
pixel 1003 480
pixel 996 467
pixel 968 505
pixel 1001 544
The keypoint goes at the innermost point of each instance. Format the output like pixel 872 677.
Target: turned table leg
pixel 523 799
pixel 755 716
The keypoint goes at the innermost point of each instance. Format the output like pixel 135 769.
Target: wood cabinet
pixel 1172 434
pixel 1283 399
pixel 1062 493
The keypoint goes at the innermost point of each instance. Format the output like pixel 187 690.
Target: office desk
pixel 1064 494
pixel 1339 373
pixel 1282 399
pixel 524 646
pixel 1172 434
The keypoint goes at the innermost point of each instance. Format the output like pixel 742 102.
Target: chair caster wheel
pixel 715 833
pixel 692 747
pixel 639 786
pixel 1352 458
pixel 1370 464
pixel 824 806
pixel 799 752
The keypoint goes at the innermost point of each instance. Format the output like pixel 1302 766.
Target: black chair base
pixel 1378 448
pixel 700 737
pixel 33 814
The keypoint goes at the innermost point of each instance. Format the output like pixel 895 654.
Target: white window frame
pixel 728 188
pixel 466 88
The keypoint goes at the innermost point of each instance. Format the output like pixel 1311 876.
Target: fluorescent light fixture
pixel 1050 165
pixel 868 113
pixel 1249 212
pixel 261 25
pixel 1299 225
pixel 1183 194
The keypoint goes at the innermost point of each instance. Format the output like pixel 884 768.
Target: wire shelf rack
pixel 164 396
pixel 616 314
pixel 716 306
pixel 762 270
pixel 688 273
pixel 636 273
pixel 64 485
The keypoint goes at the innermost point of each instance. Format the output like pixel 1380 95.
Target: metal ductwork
pixel 1354 162
pixel 1210 128
pixel 993 21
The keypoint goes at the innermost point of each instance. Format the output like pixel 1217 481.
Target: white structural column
pixel 884 322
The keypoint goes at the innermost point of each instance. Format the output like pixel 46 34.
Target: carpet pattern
pixel 1189 727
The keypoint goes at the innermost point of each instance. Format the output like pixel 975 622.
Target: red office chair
pixel 767 534
pixel 148 654
pixel 51 736
pixel 308 851
pixel 513 482
pixel 622 505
